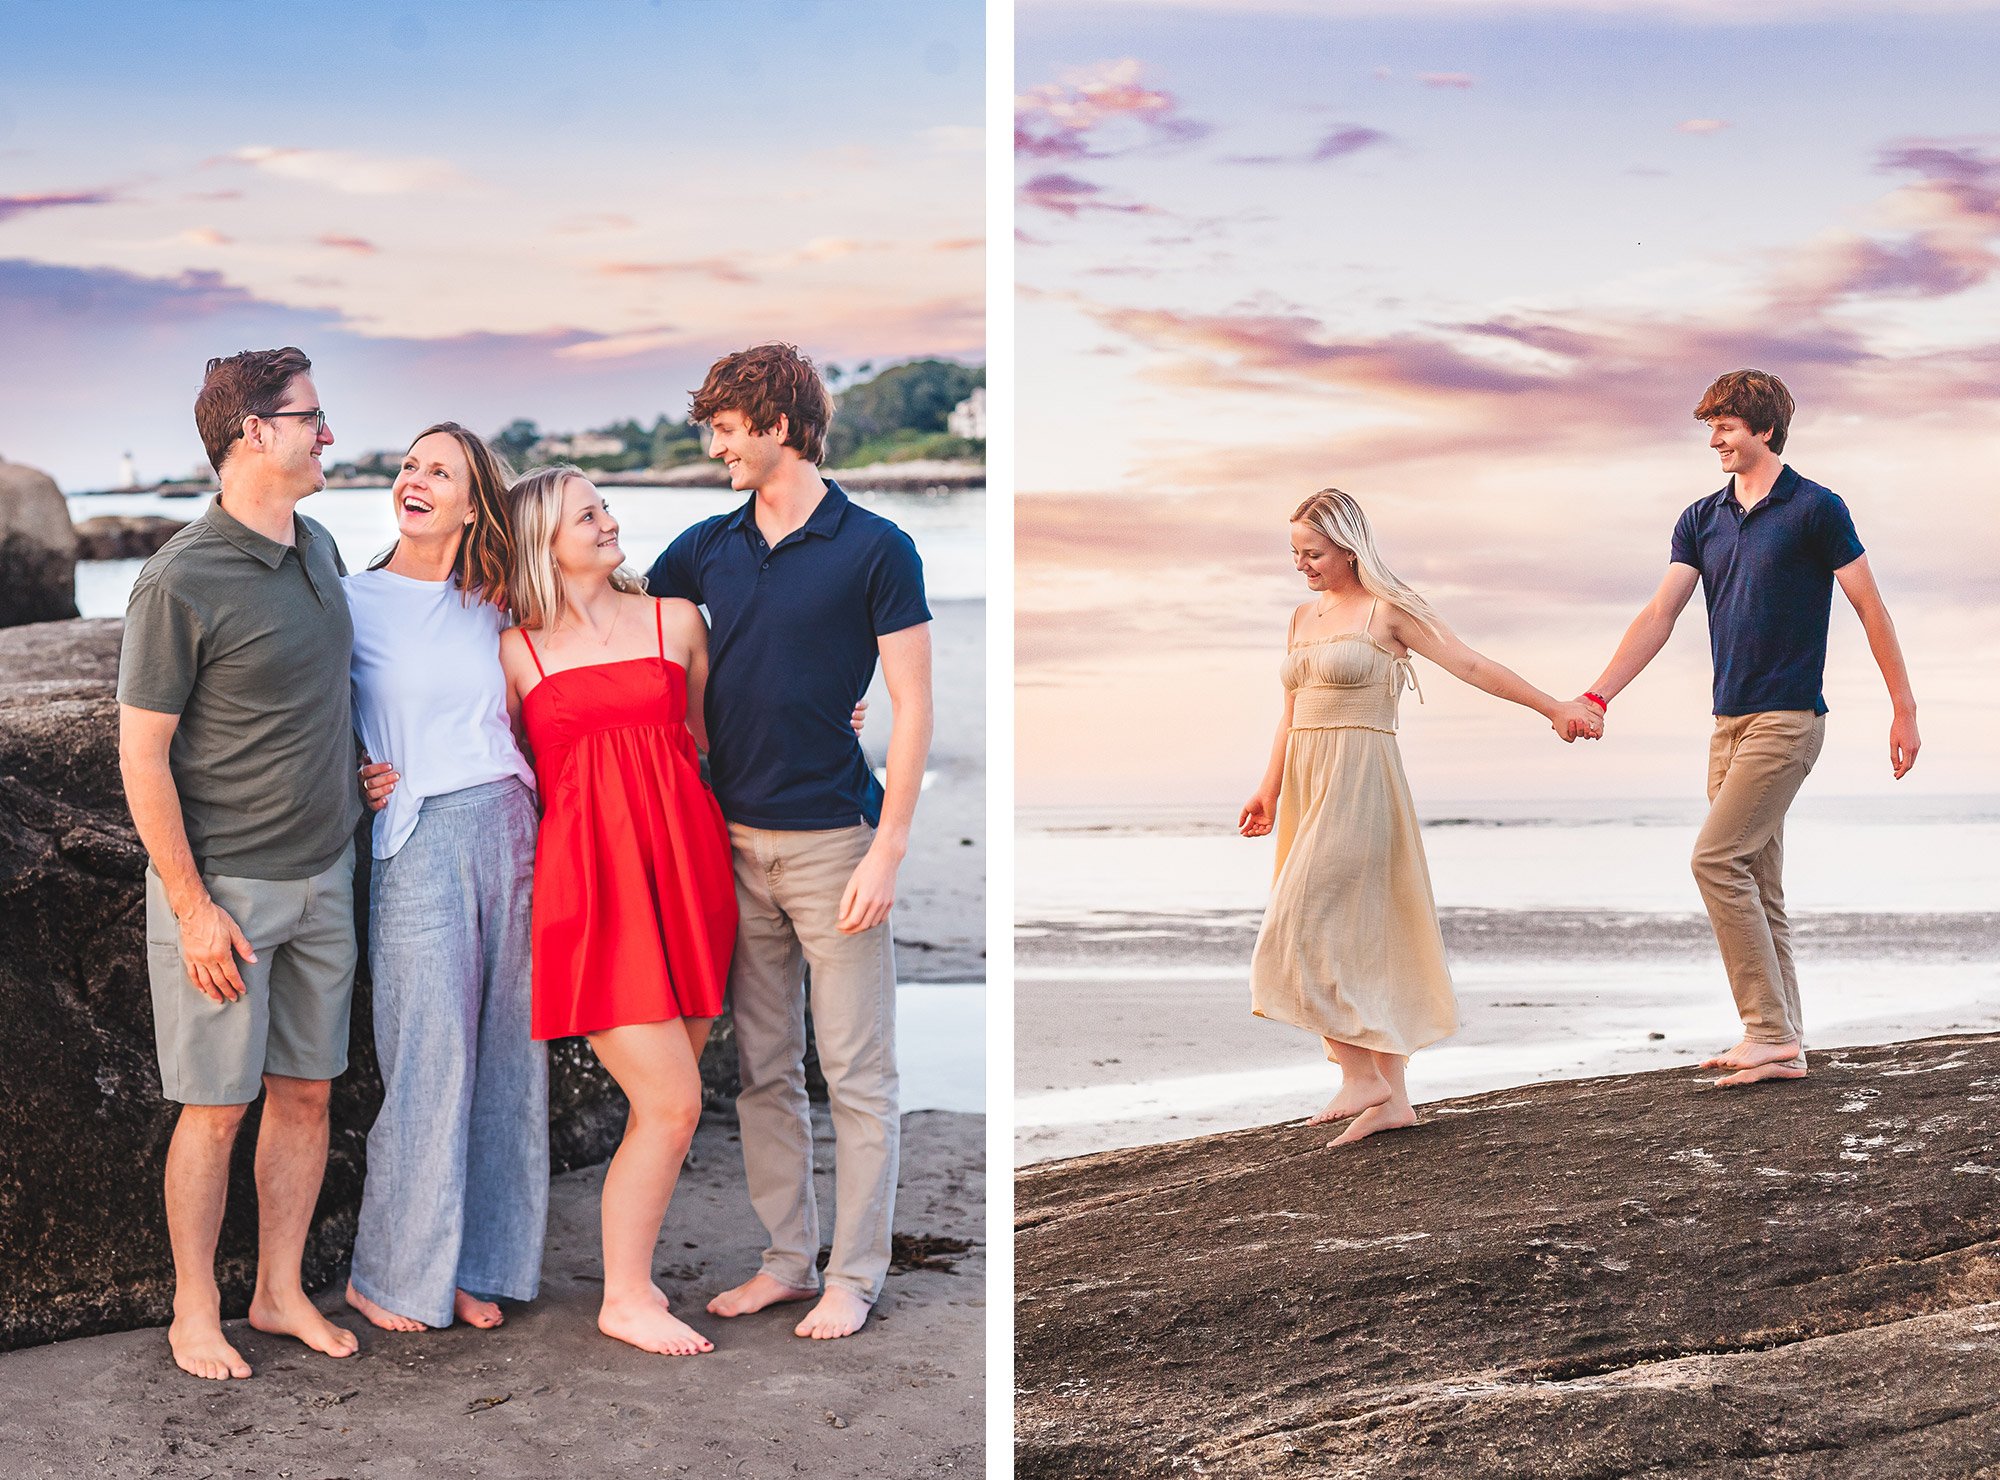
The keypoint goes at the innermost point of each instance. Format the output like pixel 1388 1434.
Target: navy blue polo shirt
pixel 791 649
pixel 1767 576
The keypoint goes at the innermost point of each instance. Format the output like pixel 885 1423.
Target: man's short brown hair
pixel 252 382
pixel 763 384
pixel 1758 399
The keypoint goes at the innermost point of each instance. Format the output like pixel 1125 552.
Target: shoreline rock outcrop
pixel 1574 1280
pixel 124 536
pixel 83 1129
pixel 38 548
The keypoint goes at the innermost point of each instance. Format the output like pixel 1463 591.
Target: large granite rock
pixel 124 536
pixel 37 548
pixel 83 1130
pixel 1638 1275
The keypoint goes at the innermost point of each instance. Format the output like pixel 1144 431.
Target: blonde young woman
pixel 1350 947
pixel 635 896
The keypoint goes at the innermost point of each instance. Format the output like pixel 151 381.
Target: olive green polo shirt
pixel 248 641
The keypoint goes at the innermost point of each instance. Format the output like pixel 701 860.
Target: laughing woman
pixel 456 1201
pixel 1350 947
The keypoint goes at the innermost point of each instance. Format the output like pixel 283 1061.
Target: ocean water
pixel 949 531
pixel 1842 854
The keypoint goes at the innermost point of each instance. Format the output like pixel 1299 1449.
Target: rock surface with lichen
pixel 1630 1276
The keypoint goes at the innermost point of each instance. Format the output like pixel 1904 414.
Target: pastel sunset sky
pixel 470 210
pixel 1474 263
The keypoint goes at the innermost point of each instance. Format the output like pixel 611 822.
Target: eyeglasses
pixel 317 414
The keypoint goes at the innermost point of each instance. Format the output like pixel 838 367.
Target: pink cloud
pixel 356 244
pixel 715 269
pixel 1461 80
pixel 1098 111
pixel 1701 126
pixel 21 205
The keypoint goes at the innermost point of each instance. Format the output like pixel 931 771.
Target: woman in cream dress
pixel 1350 947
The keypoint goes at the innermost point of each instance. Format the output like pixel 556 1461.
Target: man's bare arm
pixel 1649 630
pixel 1857 583
pixel 906 672
pixel 210 939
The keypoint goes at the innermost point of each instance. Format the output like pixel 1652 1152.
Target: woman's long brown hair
pixel 485 564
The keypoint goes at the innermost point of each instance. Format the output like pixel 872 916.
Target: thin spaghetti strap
pixel 540 672
pixel 1368 627
pixel 659 632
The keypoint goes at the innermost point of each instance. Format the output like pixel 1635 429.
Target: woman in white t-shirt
pixel 455 1205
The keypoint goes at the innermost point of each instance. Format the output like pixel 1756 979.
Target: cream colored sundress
pixel 1350 947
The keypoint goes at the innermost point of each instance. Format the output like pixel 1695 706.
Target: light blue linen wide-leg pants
pixel 457 1193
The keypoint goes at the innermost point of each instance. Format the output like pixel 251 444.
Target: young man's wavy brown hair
pixel 1755 397
pixel 764 384
pixel 252 382
pixel 484 565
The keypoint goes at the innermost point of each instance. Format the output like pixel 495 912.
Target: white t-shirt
pixel 429 696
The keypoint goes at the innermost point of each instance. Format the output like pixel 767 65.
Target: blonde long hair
pixel 1337 516
pixel 535 504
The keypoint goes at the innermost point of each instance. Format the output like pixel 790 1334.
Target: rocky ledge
pixel 83 1130
pixel 1631 1276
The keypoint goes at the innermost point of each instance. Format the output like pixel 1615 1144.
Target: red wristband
pixel 1600 701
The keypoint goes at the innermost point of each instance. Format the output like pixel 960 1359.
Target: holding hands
pixel 1579 719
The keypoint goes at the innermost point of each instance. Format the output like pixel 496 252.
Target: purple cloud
pixel 20 205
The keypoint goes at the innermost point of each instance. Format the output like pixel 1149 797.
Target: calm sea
pixel 1843 854
pixel 949 530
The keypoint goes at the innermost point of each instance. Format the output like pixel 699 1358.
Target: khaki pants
pixel 788 888
pixel 1756 764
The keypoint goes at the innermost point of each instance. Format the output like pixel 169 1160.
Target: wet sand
pixel 546 1395
pixel 1134 1028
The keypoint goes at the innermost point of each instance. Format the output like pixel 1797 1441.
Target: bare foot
pixel 476 1312
pixel 645 1322
pixel 388 1320
pixel 1355 1096
pixel 840 1312
pixel 1383 1117
pixel 1749 1055
pixel 754 1294
pixel 1785 1070
pixel 292 1314
pixel 201 1350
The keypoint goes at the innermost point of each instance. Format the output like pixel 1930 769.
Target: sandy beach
pixel 545 1394
pixel 1167 1047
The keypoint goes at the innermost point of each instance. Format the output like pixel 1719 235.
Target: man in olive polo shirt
pixel 237 751
pixel 1767 549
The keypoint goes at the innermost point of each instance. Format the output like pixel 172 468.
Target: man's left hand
pixel 1903 744
pixel 871 890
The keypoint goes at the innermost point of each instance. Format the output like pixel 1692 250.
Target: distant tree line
pixel 897 415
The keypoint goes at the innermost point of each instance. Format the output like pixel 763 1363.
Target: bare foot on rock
pixel 476 1312
pixel 1355 1097
pixel 1786 1070
pixel 291 1314
pixel 754 1294
pixel 840 1312
pixel 1750 1055
pixel 388 1320
pixel 645 1322
pixel 201 1350
pixel 1395 1115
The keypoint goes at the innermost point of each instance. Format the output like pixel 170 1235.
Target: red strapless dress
pixel 635 891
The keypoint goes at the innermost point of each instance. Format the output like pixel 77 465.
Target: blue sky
pixel 470 210
pixel 1474 262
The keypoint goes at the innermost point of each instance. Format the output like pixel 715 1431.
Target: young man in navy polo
pixel 1767 549
pixel 804 591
